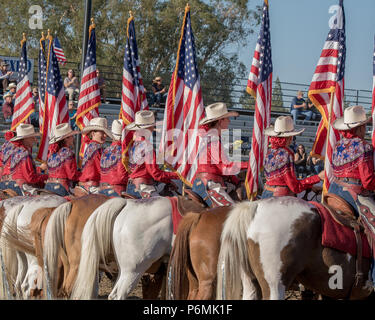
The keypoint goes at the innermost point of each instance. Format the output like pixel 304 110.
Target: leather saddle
pixel 185 204
pixel 342 212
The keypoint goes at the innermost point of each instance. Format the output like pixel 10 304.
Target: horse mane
pixel 179 259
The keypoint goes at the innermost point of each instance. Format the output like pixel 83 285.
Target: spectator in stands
pixel 159 90
pixel 314 164
pixel 293 145
pixel 72 115
pixel 71 85
pixel 12 88
pixel 4 75
pixel 299 107
pixel 34 117
pixel 300 158
pixel 8 107
pixel 316 114
pixel 101 83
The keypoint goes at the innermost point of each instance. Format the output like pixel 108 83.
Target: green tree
pixel 277 95
pixel 219 26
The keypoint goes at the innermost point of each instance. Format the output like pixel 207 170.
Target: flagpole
pixel 86 27
pixel 327 138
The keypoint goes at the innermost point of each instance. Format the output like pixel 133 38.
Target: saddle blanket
pixel 339 237
pixel 176 215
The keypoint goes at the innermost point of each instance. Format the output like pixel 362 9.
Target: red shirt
pixel 354 158
pixel 91 162
pixel 22 167
pixel 62 164
pixel 112 170
pixel 279 171
pixel 142 163
pixel 212 159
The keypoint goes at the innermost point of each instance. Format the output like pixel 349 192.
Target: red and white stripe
pixel 262 92
pixel 59 55
pixel 373 100
pixel 182 116
pixel 24 103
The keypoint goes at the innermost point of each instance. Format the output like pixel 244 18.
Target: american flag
pixel 133 92
pixel 327 91
pixel 89 97
pixel 42 69
pixel 259 85
pixel 56 109
pixel 373 98
pixel 24 104
pixel 59 51
pixel 184 108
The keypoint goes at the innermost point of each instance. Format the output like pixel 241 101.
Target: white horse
pixel 29 274
pixel 142 234
pixel 278 241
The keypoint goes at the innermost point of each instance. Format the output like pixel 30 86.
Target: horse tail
pixel 180 257
pixel 233 255
pixel 96 244
pixel 9 257
pixel 54 242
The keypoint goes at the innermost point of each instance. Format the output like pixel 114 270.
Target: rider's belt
pixel 138 181
pixel 279 191
pixel 63 181
pixel 356 188
pixel 119 188
pixel 357 181
pixel 88 184
pixel 207 176
pixel 6 177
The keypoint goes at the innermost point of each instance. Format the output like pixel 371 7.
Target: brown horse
pixel 278 241
pixel 193 260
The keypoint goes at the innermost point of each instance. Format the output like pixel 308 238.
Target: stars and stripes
pixel 184 109
pixel 133 95
pixel 24 103
pixel 42 70
pixel 373 98
pixel 259 85
pixel 89 96
pixel 56 109
pixel 57 49
pixel 327 91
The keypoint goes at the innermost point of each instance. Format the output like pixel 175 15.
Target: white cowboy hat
pixel 284 127
pixel 12 85
pixel 117 129
pixel 217 111
pixel 143 119
pixel 8 94
pixel 97 124
pixel 354 116
pixel 62 131
pixel 24 131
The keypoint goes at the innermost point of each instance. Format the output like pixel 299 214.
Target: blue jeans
pixel 337 189
pixel 160 98
pixel 109 192
pixel 130 189
pixel 200 189
pixel 56 188
pixel 13 186
pixel 297 112
pixel 267 194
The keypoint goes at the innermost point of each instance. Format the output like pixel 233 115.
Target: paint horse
pixel 268 244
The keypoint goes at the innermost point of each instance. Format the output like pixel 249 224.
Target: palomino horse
pixel 278 240
pixel 29 274
pixel 141 236
pixel 61 245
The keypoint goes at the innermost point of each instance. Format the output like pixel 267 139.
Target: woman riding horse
pixel 279 162
pixel 24 175
pixel 62 166
pixel 95 135
pixel 113 175
pixel 142 159
pixel 215 174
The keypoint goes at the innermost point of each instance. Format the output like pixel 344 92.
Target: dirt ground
pixel 106 286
